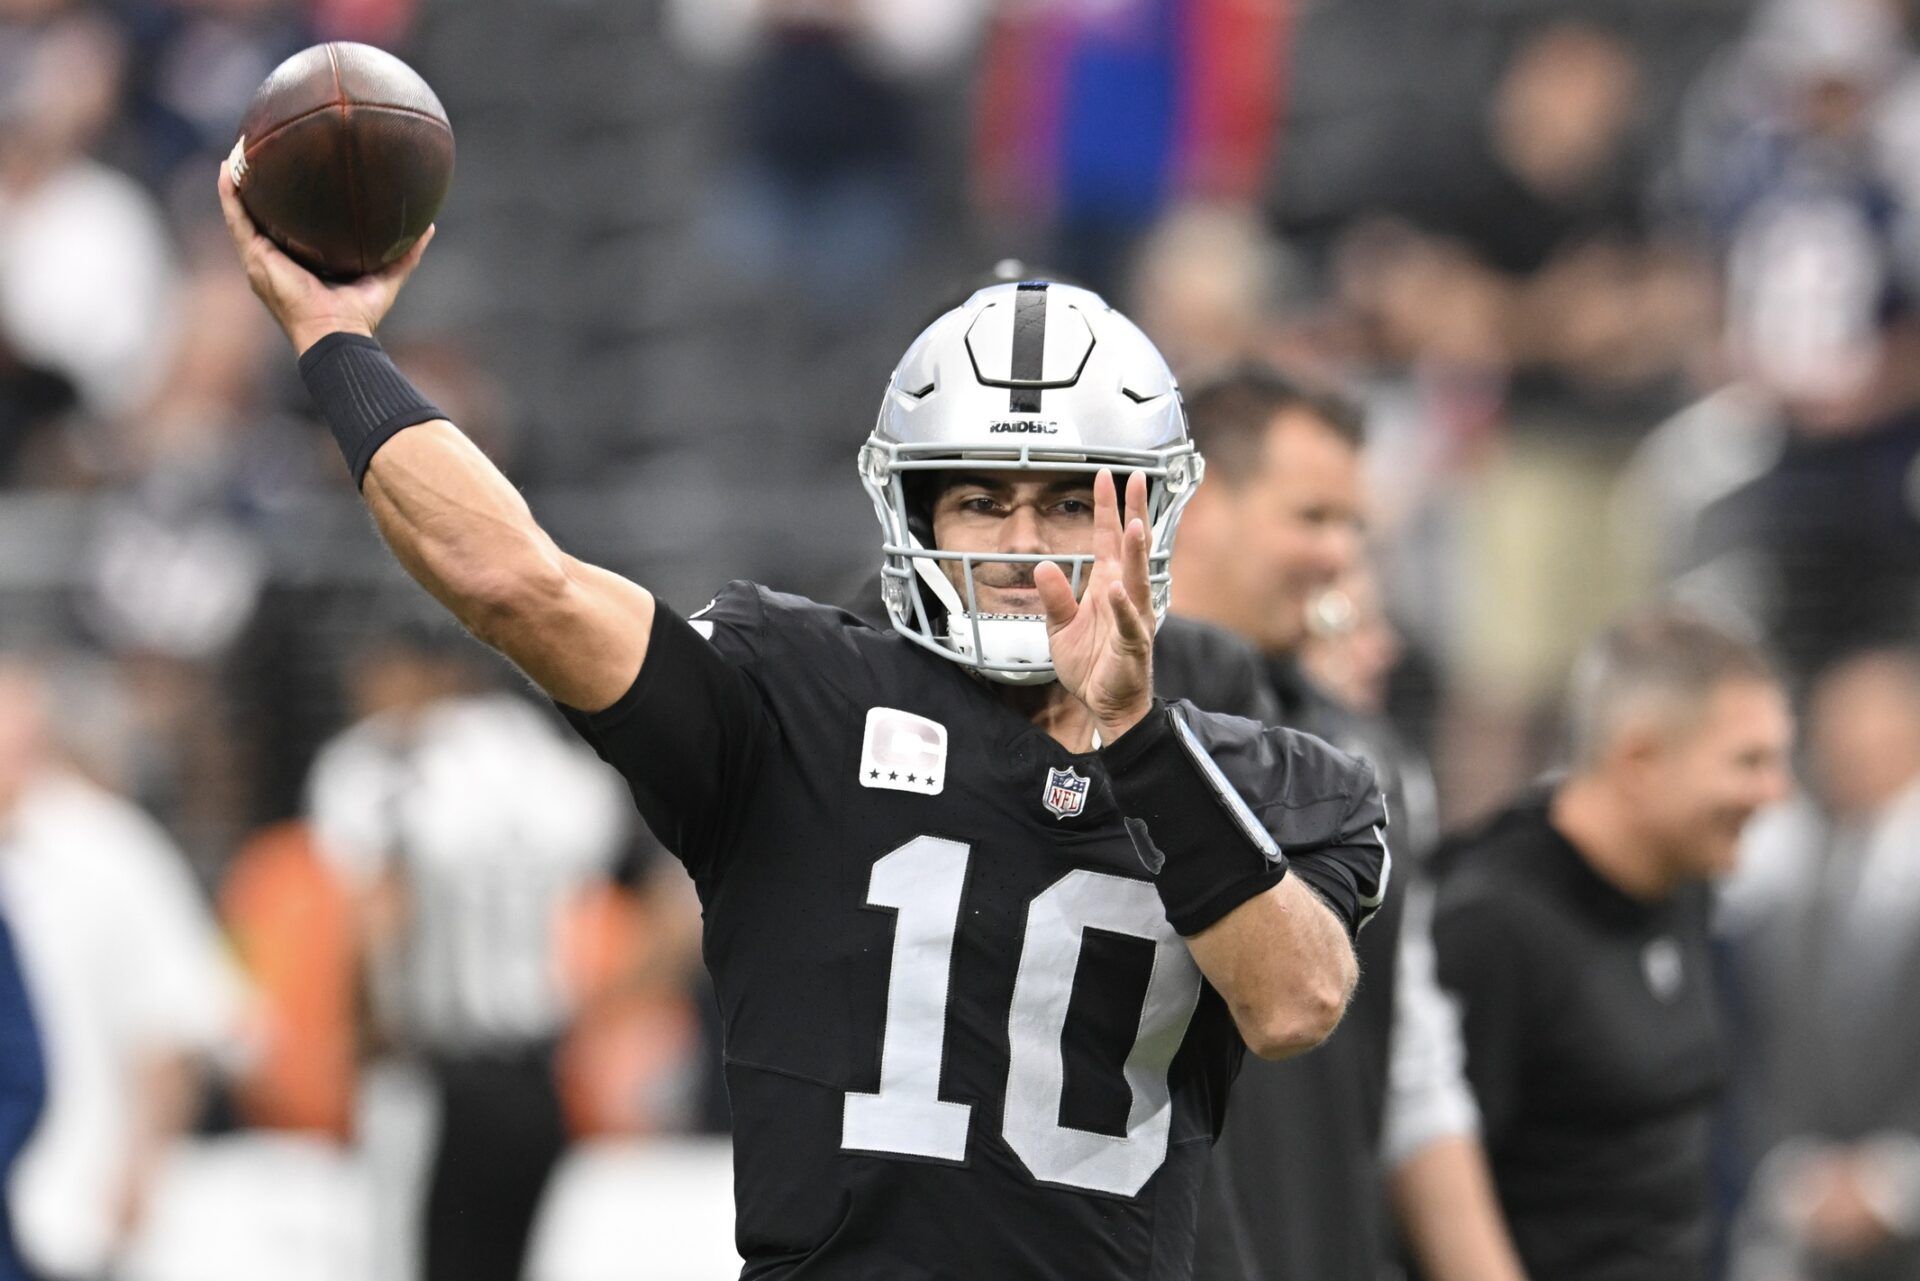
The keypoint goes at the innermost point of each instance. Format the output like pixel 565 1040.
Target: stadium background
pixel 1625 285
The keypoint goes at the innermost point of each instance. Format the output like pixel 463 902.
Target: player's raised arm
pixel 457 525
pixel 1277 950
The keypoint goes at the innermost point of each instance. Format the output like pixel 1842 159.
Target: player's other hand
pixel 307 307
pixel 1102 643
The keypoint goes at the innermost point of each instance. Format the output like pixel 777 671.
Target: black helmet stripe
pixel 1029 346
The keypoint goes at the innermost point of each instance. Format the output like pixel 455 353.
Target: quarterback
pixel 991 925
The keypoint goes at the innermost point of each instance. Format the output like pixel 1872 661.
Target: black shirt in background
pixel 1593 1048
pixel 1294 1191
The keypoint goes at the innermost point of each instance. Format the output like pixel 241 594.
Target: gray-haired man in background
pixel 1573 929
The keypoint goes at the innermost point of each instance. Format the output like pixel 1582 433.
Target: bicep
pixel 462 530
pixel 587 647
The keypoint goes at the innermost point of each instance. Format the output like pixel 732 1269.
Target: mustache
pixel 1004 576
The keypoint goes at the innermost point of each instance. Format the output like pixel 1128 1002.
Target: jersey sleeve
pixel 693 728
pixel 1323 807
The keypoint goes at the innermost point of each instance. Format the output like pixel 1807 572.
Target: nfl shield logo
pixel 1066 792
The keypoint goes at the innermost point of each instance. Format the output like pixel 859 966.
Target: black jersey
pixel 1593 1047
pixel 961 1039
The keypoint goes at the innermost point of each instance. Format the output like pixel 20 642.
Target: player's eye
pixel 982 504
pixel 1074 507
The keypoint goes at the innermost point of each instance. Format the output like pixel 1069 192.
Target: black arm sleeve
pixel 1208 851
pixel 688 737
pixel 1322 806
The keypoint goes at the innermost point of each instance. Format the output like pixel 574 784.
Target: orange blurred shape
pixel 291 924
pixel 620 1064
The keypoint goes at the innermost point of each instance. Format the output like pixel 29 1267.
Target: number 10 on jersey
pixel 923 881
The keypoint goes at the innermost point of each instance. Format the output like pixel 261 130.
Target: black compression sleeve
pixel 1212 852
pixel 363 396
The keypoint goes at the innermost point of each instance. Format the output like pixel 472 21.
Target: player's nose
pixel 1022 534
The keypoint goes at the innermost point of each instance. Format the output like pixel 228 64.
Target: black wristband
pixel 1212 853
pixel 363 396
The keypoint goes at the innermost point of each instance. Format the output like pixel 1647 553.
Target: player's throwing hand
pixel 1102 643
pixel 306 307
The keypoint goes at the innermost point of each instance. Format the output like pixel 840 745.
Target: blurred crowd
pixel 1629 291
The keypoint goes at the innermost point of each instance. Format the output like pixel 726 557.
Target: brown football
pixel 344 157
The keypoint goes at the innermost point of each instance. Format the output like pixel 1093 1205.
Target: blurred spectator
pixel 1572 928
pixel 129 984
pixel 1207 284
pixel 1525 309
pixel 85 260
pixel 1314 1147
pixel 832 149
pixel 1784 494
pixel 1534 253
pixel 467 833
pixel 1097 115
pixel 1825 924
pixel 1786 163
pixel 193 66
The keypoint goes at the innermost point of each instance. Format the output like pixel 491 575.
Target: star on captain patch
pixel 1066 792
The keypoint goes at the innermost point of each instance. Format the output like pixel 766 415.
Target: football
pixel 344 158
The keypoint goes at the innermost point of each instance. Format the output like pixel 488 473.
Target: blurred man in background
pixel 1573 930
pixel 467 830
pixel 1825 926
pixel 128 983
pixel 1298 1175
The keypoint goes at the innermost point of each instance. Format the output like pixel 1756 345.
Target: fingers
pixel 271 273
pixel 1134 572
pixel 1106 517
pixel 1136 634
pixel 400 268
pixel 1137 496
pixel 1133 552
pixel 1056 595
pixel 239 225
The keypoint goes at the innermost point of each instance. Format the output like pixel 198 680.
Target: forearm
pixel 466 535
pixel 1284 965
pixel 459 527
pixel 1265 938
pixel 1443 1197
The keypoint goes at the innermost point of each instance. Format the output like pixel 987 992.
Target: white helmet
pixel 1033 377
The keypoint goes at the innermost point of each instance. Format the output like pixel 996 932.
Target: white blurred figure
pixel 86 264
pixel 132 991
pixel 465 828
pixel 1825 920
